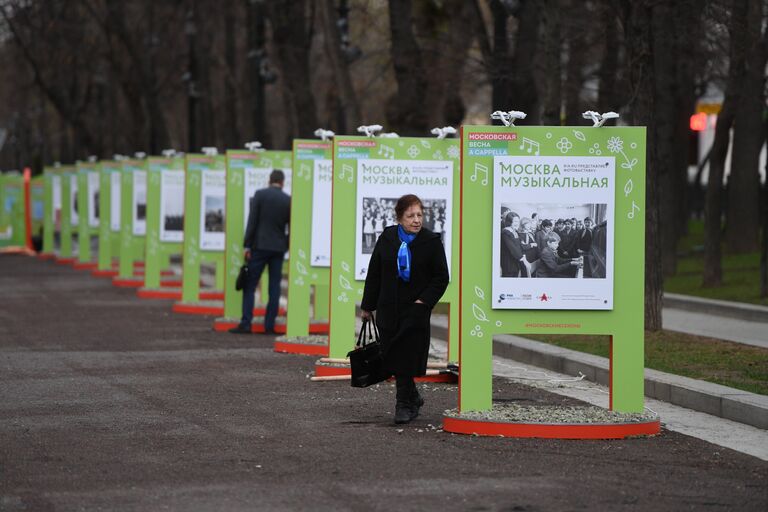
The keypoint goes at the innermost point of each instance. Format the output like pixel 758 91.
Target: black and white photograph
pixel 553 243
pixel 553 240
pixel 172 206
pixel 375 204
pixel 139 203
pixel 214 214
pixel 379 212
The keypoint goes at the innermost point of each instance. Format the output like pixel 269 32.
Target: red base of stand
pixel 173 293
pixel 46 256
pixel 329 371
pixel 84 265
pixel 314 328
pixel 138 282
pixel 104 273
pixel 572 431
pixel 198 309
pixel 65 261
pixel 305 349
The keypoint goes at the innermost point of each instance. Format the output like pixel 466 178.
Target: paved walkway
pixel 110 402
pixel 721 327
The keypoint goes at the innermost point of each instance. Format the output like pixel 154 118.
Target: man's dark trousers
pixel 259 259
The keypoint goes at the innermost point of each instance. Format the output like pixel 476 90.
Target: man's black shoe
pixel 269 331
pixel 240 329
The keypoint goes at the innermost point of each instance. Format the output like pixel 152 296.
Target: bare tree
pixel 742 228
pixel 552 101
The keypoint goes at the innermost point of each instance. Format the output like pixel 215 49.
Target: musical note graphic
pixel 631 214
pixel 386 152
pixel 628 187
pixel 483 170
pixel 237 179
pixel 347 169
pixel 531 145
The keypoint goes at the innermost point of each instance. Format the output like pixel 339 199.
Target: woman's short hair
pixel 509 218
pixel 546 223
pixel 406 202
pixel 525 221
pixel 552 237
pixel 276 176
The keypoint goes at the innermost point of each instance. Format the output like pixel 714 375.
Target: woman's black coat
pixel 403 324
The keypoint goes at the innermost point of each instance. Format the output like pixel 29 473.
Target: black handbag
pixel 242 277
pixel 366 360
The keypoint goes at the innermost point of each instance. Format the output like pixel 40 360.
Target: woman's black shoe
pixel 240 329
pixel 416 402
pixel 403 413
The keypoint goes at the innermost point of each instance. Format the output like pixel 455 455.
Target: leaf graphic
pixel 479 313
pixel 633 162
pixel 344 282
pixel 345 266
pixel 302 254
pixel 479 292
pixel 579 135
pixel 628 187
pixel 301 268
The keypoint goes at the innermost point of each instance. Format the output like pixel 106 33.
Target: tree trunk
pixel 574 81
pixel 256 55
pixel 742 232
pixel 607 99
pixel 552 102
pixel 638 16
pixel 406 110
pixel 231 131
pixel 291 37
pixel 500 63
pixel 713 214
pixel 345 92
pixel 665 117
pixel 523 89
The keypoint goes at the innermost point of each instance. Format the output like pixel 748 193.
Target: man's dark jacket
pixel 269 214
pixel 403 324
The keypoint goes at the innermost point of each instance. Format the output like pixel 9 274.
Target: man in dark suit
pixel 266 241
pixel 584 245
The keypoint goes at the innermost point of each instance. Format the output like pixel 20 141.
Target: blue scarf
pixel 404 253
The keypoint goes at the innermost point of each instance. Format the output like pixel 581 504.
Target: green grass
pixel 722 362
pixel 741 272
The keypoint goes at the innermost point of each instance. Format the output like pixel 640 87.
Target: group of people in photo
pixel 379 213
pixel 564 247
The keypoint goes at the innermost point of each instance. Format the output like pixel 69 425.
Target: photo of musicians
pixel 379 212
pixel 553 240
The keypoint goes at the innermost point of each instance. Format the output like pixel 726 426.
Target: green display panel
pixel 247 172
pixel 110 200
pixel 88 183
pixel 369 175
pixel 12 213
pixel 165 216
pixel 310 239
pixel 133 215
pixel 569 286
pixel 51 208
pixel 204 220
pixel 37 205
pixel 68 209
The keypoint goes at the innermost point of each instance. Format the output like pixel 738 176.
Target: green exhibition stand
pixel 165 224
pixel 309 263
pixel 378 171
pixel 88 212
pixel 204 205
pixel 553 169
pixel 247 171
pixel 68 213
pixel 133 207
pixel 12 212
pixel 110 177
pixel 51 210
pixel 37 203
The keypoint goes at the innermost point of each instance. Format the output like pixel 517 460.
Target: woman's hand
pixel 419 301
pixel 366 315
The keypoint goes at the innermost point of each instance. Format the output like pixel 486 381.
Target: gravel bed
pixel 552 414
pixel 312 339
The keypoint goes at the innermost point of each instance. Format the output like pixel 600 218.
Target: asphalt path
pixel 111 402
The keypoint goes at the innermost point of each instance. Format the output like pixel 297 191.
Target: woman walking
pixel 407 275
